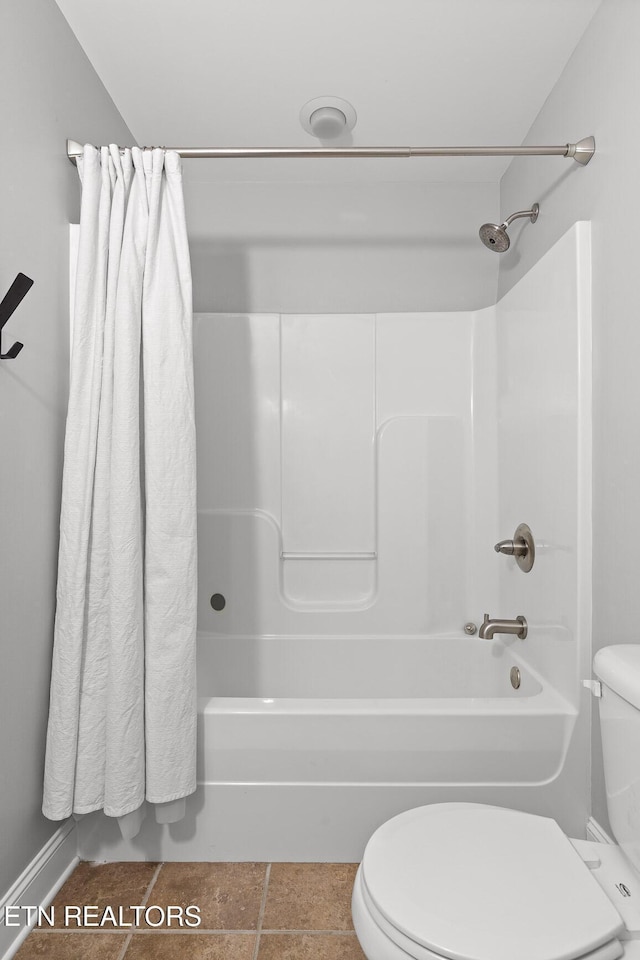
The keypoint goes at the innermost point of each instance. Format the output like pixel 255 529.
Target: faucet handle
pixel 522 547
pixel 513 548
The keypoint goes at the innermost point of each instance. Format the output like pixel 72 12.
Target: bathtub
pixel 309 743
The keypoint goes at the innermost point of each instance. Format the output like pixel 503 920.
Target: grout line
pixel 145 899
pixel 263 904
pixel 125 947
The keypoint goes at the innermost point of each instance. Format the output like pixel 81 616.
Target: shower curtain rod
pixel 581 152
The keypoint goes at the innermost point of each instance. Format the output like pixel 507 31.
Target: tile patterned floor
pixel 249 911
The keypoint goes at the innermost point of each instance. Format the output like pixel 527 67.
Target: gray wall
pixel 598 94
pixel 338 247
pixel 49 91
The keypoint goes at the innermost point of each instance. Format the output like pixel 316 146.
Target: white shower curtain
pixel 122 717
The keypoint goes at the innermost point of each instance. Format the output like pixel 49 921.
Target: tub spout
pixel 490 627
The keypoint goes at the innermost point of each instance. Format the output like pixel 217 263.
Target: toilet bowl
pixel 468 881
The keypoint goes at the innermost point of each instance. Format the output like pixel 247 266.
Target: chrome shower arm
pixel 532 214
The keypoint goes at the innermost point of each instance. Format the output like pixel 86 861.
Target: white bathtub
pixel 306 745
pixel 320 739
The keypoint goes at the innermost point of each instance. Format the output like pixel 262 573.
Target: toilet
pixel 468 881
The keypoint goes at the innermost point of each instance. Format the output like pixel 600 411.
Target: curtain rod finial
pixel 582 151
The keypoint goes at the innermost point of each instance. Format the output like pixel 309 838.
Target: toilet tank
pixel 618 668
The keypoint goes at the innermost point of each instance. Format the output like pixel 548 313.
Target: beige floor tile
pixel 321 946
pixel 195 946
pixel 228 894
pixel 71 946
pixel 102 885
pixel 309 896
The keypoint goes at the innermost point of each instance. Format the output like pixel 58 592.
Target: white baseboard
pixel 597 833
pixel 39 883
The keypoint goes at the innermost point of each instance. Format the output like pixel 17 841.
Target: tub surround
pixel 335 499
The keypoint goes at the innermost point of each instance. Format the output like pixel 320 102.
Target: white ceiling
pixel 418 72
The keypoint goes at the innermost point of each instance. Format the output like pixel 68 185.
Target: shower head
pixel 495 236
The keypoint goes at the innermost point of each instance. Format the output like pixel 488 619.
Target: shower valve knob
pixel 513 548
pixel 522 547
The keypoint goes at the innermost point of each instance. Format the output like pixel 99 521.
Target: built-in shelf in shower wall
pixel 346 439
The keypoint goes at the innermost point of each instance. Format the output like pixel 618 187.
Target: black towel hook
pixel 12 299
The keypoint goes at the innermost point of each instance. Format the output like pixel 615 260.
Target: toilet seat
pixel 381 941
pixel 464 881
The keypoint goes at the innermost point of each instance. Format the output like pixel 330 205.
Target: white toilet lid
pixel 473 882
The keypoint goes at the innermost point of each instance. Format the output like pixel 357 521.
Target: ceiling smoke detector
pixel 328 117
